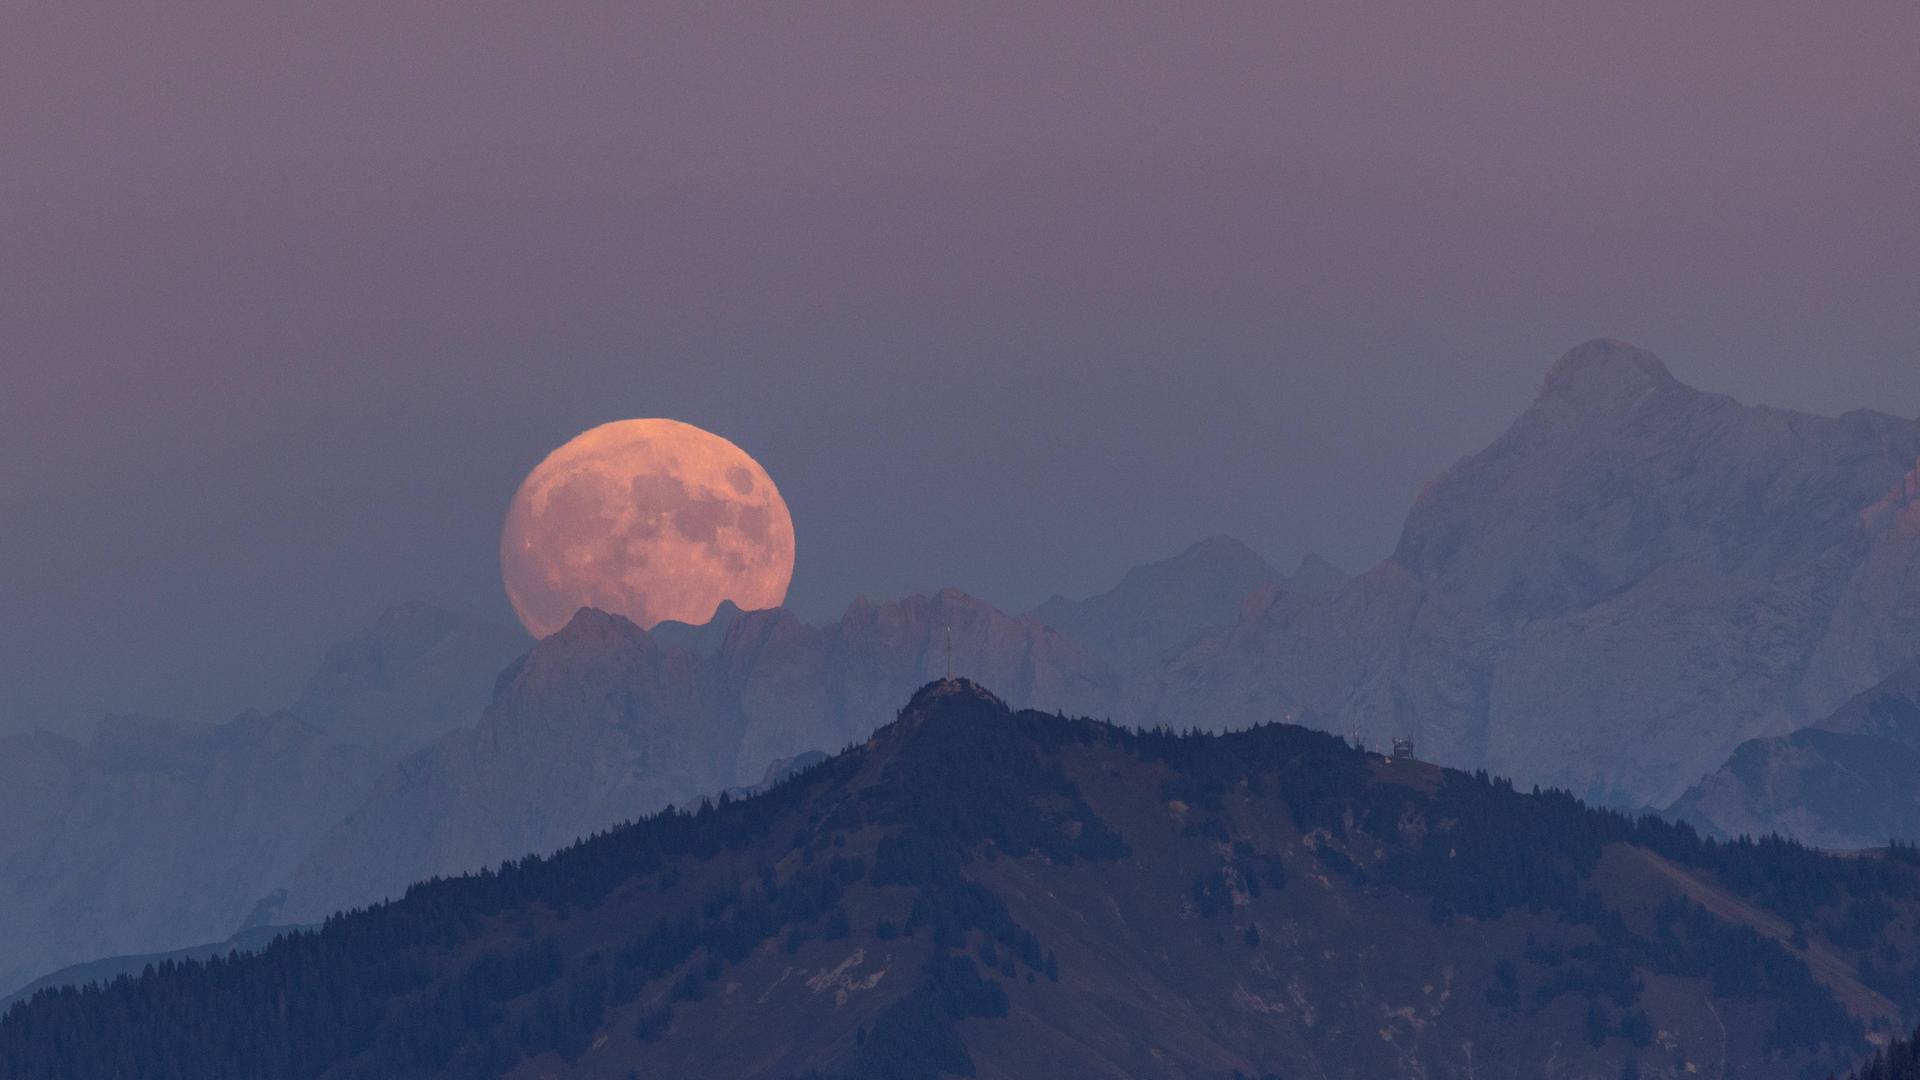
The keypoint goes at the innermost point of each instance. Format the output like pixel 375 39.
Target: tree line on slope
pixel 1898 1060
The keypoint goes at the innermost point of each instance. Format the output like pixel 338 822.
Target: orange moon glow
pixel 651 519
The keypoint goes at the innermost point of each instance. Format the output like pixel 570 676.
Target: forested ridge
pixel 884 913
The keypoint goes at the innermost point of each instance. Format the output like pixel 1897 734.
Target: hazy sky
pixel 1004 296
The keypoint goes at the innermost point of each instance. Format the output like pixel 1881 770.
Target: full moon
pixel 651 519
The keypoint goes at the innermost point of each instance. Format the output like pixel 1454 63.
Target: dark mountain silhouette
pixel 1850 781
pixel 1631 581
pixel 157 835
pixel 976 891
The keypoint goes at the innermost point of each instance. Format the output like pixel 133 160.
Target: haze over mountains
pixel 159 834
pixel 1635 580
pixel 1165 607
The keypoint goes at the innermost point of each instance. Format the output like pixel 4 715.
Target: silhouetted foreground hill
pixel 981 892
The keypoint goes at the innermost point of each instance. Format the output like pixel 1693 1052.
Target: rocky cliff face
pixel 602 723
pixel 161 834
pixel 1632 580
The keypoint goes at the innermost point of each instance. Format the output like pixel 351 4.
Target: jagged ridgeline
pixel 976 891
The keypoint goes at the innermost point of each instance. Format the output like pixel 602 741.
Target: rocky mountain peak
pixel 591 626
pixel 593 640
pixel 947 692
pixel 1604 373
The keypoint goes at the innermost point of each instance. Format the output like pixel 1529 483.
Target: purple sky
pixel 291 296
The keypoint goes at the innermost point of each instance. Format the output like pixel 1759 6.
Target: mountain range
pixel 981 892
pixel 1629 583
pixel 1637 584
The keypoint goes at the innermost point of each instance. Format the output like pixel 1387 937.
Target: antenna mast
pixel 949 654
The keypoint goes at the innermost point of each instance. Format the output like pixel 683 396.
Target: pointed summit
pixel 1604 372
pixel 591 621
pixel 963 689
